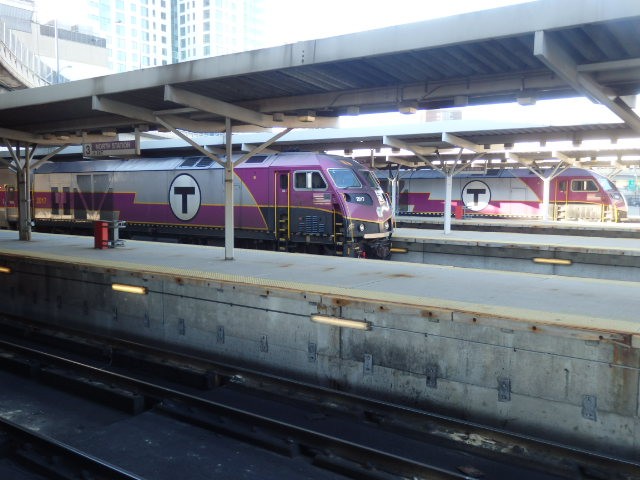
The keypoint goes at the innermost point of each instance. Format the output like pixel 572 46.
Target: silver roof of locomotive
pixel 191 163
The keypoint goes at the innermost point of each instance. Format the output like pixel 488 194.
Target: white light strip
pixel 5 270
pixel 120 287
pixel 552 261
pixel 341 322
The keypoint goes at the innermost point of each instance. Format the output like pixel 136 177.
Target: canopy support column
pixel 228 191
pixel 23 174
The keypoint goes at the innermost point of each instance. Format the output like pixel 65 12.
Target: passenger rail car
pixel 575 194
pixel 294 201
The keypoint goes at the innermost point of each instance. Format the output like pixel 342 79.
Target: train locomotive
pixel 575 194
pixel 290 201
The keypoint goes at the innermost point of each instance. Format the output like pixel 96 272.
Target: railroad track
pixel 322 431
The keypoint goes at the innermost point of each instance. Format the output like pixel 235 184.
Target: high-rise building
pixel 138 32
pixel 204 28
pixel 146 33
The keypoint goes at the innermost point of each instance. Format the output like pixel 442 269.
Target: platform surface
pixel 591 304
pixel 575 243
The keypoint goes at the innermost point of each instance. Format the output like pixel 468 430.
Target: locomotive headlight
pixel 386 225
pixel 361 227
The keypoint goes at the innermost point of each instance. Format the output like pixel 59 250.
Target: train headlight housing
pixel 362 227
pixel 386 225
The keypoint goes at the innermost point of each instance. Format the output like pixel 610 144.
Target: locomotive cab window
pixel 583 186
pixel 311 180
pixel 344 178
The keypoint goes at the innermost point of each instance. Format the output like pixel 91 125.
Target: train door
pixel 518 197
pixel 3 207
pixel 561 199
pixel 11 205
pixel 282 207
pixel 60 201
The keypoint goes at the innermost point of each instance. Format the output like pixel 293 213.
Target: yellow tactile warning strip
pixel 480 312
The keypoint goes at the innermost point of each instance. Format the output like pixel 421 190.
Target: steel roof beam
pixel 417 149
pixel 143 114
pixel 245 115
pixel 462 143
pixel 551 53
pixel 211 105
pixel 612 65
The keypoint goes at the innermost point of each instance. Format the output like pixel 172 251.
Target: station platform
pixel 549 254
pixel 551 356
pixel 627 229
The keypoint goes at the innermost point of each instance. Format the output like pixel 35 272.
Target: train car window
pixel 284 184
pixel 189 162
pixel 66 203
pixel 369 178
pixel 204 162
pixel 257 159
pixel 300 180
pixel 606 185
pixel 55 205
pixel 317 182
pixel 562 186
pixel 309 180
pixel 344 178
pixel 583 186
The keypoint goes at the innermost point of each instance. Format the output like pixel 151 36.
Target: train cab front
pixel 616 208
pixel 367 216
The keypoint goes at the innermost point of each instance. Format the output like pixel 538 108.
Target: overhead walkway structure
pixel 19 67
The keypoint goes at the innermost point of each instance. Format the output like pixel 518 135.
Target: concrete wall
pixel 573 386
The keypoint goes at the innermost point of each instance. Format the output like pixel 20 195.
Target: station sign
pixel 116 148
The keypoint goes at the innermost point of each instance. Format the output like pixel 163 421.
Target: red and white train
pixel 575 194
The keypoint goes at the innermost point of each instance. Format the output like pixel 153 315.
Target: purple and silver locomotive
pixel 289 201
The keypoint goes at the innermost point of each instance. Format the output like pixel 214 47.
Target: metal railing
pixel 23 64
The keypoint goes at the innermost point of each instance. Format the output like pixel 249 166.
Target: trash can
pixel 101 234
pixel 459 212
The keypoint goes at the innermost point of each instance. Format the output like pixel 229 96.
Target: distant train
pixel 294 201
pixel 575 194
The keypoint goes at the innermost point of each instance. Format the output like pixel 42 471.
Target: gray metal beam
pixel 551 53
pixel 462 143
pixel 143 114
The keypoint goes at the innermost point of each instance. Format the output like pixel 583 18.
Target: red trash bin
pixel 100 234
pixel 459 212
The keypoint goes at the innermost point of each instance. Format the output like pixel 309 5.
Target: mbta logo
pixel 476 195
pixel 184 197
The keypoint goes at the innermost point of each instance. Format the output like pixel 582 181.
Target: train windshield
pixel 369 178
pixel 344 178
pixel 606 185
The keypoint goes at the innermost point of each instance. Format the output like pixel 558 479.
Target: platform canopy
pixel 527 52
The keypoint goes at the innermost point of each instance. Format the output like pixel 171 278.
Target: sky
pixel 308 19
pixel 305 19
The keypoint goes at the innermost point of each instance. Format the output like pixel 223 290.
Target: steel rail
pixel 28 439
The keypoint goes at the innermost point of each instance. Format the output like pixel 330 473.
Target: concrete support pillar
pixel 447 202
pixel 22 167
pixel 546 187
pixel 228 189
